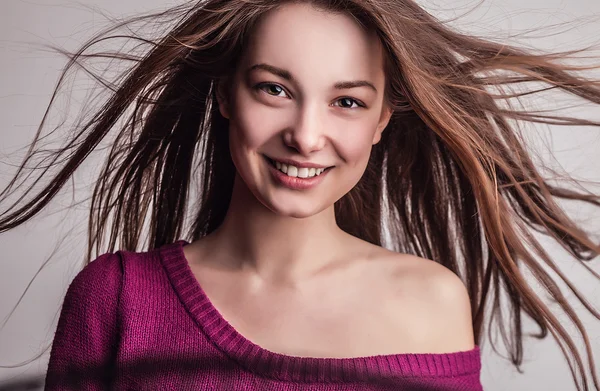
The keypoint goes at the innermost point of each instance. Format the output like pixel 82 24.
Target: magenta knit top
pixel 141 321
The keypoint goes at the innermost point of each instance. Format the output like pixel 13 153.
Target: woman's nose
pixel 307 135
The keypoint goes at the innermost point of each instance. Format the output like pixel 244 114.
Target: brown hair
pixel 451 178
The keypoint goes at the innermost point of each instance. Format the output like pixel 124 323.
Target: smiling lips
pixel 297 177
pixel 297 170
pixel 300 172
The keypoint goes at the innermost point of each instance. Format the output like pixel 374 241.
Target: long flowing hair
pixel 450 180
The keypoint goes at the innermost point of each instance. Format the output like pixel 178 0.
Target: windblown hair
pixel 451 179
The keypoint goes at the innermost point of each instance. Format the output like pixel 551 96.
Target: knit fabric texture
pixel 141 321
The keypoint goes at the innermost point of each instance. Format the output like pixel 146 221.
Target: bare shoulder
pixel 435 297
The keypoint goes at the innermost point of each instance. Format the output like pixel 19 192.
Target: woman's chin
pixel 288 208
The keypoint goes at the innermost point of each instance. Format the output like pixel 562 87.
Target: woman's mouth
pixel 294 177
pixel 296 172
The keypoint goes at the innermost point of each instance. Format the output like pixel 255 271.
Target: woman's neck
pixel 256 239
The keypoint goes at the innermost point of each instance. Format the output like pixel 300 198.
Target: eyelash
pixel 358 103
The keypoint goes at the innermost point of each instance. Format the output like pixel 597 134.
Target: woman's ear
pixel 386 114
pixel 223 98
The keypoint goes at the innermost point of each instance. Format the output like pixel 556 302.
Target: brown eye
pixel 276 90
pixel 271 89
pixel 346 103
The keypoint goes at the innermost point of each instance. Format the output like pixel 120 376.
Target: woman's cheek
pixel 260 124
pixel 356 142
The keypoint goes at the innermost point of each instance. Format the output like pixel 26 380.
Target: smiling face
pixel 307 94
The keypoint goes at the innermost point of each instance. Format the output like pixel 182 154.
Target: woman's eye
pixel 271 89
pixel 346 103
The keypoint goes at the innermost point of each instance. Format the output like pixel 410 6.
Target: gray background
pixel 28 75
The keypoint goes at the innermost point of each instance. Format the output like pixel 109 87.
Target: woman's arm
pixel 84 347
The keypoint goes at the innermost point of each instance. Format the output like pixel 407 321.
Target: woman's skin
pixel 279 269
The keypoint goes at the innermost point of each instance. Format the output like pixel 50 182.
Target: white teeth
pixel 302 172
pixel 292 171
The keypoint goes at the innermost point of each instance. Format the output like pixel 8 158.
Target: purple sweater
pixel 141 321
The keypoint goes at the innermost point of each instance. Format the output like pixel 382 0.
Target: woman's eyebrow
pixel 340 85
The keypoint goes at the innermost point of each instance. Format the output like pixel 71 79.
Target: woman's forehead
pixel 302 39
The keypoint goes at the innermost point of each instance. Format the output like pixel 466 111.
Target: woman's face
pixel 307 97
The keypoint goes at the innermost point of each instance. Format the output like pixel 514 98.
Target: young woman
pixel 315 129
